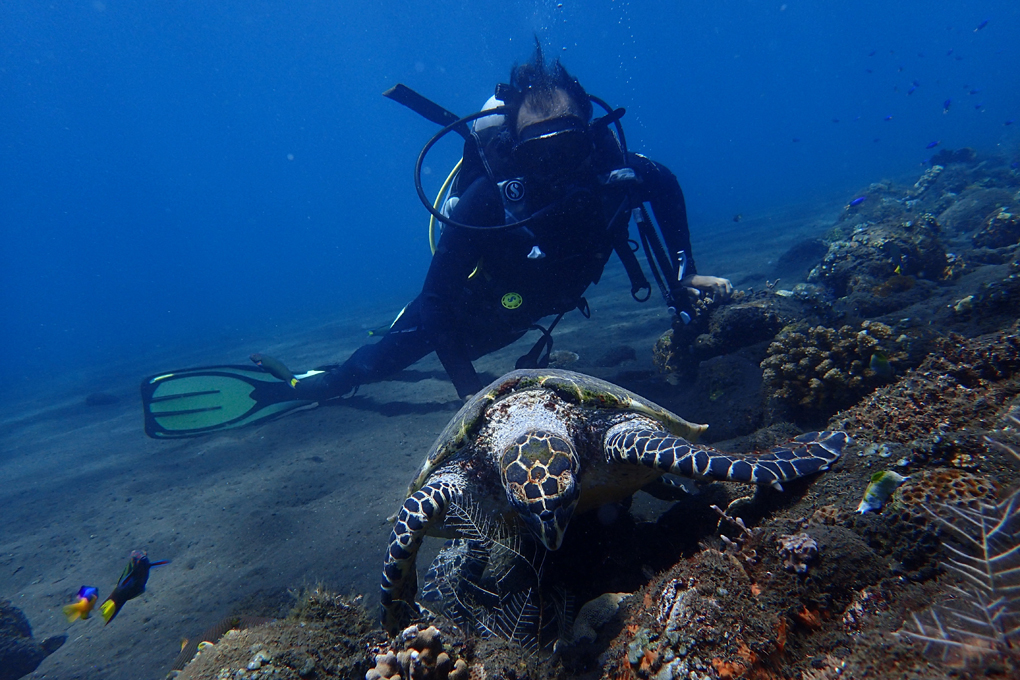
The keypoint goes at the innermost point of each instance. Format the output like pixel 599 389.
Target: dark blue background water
pixel 173 173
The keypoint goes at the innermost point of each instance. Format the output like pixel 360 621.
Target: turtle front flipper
pixel 422 510
pixel 639 441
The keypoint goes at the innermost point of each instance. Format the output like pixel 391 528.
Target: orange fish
pixel 87 596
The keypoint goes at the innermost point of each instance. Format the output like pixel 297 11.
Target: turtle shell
pixel 576 388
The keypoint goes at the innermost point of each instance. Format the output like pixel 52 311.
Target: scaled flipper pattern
pixel 636 442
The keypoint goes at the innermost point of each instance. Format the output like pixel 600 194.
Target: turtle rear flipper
pixel 638 441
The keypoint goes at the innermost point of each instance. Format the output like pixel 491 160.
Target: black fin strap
pixel 535 358
pixel 582 306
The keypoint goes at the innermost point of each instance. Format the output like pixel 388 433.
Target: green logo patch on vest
pixel 512 300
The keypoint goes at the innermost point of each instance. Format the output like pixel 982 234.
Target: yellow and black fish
pixel 131 584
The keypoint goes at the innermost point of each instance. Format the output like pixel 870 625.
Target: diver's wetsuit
pixel 487 288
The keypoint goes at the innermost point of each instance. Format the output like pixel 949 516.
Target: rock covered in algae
pixel 748 319
pixel 594 614
pixel 20 652
pixel 874 253
pixel 939 409
pixel 739 614
pixel 1002 228
pixel 328 635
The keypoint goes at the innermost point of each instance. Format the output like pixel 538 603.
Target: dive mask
pixel 553 147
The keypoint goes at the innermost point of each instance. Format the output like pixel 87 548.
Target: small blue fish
pixel 912 89
pixel 857 201
pixel 949 52
pixel 932 145
pixel 888 118
pixel 835 120
pixel 874 52
pixel 946 104
pixel 975 91
pixel 981 25
pixel 916 83
pixel 1009 122
pixel 979 106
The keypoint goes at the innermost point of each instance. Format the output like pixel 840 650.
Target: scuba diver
pixel 543 196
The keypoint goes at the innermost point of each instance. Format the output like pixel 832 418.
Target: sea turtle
pixel 545 444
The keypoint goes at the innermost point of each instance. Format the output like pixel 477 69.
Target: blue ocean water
pixel 173 173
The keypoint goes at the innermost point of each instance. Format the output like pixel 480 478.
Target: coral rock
pixel 1001 229
pixel 594 614
pixel 797 550
pixel 422 656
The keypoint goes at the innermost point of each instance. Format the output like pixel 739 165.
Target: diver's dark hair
pixel 538 80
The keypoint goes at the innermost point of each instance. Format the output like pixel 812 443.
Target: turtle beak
pixel 539 474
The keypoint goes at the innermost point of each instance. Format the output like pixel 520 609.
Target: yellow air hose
pixel 439 198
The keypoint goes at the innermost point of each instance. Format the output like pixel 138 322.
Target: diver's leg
pixel 404 344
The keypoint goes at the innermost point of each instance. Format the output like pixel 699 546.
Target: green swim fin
pixel 197 401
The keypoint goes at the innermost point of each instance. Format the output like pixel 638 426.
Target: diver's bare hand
pixel 712 286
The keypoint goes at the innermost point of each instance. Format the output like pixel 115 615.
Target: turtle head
pixel 539 471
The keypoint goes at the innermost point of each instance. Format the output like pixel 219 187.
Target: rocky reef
pixel 896 271
pixel 20 652
pixel 328 635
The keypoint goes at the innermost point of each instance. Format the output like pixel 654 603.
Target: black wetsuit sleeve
pixel 445 289
pixel 662 190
